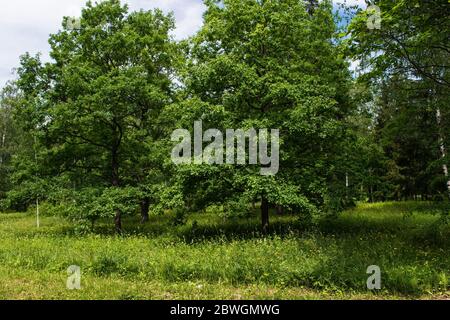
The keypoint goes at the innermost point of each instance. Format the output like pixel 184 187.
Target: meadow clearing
pixel 212 257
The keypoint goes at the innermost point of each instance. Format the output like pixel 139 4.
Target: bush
pixel 86 206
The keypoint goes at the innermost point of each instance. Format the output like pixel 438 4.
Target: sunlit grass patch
pixel 228 258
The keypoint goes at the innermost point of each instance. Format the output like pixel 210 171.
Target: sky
pixel 26 24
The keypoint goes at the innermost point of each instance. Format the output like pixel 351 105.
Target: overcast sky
pixel 26 24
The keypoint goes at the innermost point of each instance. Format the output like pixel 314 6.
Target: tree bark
pixel 442 148
pixel 280 210
pixel 3 138
pixel 145 204
pixel 347 184
pixel 264 215
pixel 115 183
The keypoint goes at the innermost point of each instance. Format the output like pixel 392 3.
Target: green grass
pixel 215 258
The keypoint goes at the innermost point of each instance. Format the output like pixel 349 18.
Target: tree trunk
pixel 442 149
pixel 145 204
pixel 346 186
pixel 280 210
pixel 2 146
pixel 264 215
pixel 118 222
pixel 115 183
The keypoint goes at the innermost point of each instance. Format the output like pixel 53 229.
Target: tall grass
pixel 409 242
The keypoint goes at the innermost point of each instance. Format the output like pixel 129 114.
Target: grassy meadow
pixel 211 257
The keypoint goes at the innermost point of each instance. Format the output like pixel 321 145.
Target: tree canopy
pixel 92 132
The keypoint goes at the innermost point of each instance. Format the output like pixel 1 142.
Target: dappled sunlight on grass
pixel 329 259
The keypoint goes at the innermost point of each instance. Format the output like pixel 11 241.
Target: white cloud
pixel 26 24
pixel 360 3
pixel 188 13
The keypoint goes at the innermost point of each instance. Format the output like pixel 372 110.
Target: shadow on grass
pixel 417 223
pixel 410 247
pixel 409 226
